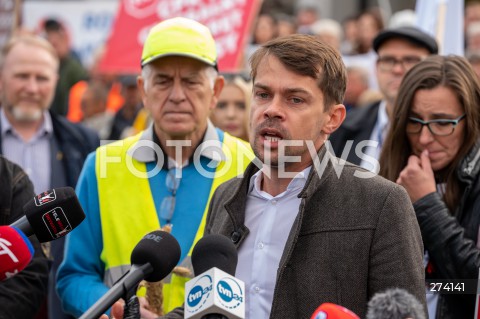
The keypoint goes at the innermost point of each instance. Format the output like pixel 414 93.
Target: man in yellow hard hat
pixel 164 175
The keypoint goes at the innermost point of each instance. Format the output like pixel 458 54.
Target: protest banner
pixel 228 20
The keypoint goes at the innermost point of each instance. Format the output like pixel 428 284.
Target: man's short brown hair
pixel 309 56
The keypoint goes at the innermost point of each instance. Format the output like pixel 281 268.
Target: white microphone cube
pixel 214 292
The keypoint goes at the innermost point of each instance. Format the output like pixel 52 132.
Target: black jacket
pixel 451 239
pixel 21 295
pixel 75 143
pixel 72 144
pixel 357 127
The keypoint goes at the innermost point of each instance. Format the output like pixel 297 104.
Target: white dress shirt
pixel 269 220
pixel 34 155
pixel 379 133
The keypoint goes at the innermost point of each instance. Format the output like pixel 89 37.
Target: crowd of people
pixel 342 161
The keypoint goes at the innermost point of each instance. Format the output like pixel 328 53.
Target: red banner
pixel 228 20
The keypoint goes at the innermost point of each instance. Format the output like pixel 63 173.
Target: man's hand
pixel 144 309
pixel 119 311
pixel 417 177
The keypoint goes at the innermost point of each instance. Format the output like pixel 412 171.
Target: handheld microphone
pixel 395 303
pixel 333 311
pixel 51 214
pixel 152 259
pixel 215 292
pixel 16 251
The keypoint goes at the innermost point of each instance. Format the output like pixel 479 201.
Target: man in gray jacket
pixel 308 228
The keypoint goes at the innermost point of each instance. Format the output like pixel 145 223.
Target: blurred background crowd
pixel 108 101
pixel 104 96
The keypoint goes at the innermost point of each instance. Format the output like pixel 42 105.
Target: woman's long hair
pixel 453 72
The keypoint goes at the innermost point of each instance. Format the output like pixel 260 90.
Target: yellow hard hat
pixel 180 36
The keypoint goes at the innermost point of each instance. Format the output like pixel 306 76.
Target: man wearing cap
pixel 398 50
pixel 163 176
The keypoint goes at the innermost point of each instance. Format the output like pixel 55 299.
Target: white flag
pixel 443 19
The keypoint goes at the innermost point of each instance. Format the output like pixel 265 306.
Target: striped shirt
pixel 34 155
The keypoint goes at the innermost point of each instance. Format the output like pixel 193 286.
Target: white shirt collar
pixel 45 128
pixel 298 181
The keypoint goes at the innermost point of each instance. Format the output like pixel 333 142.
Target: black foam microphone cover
pixel 54 213
pixel 161 250
pixel 153 258
pixel 214 251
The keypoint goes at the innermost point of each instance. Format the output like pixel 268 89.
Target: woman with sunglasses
pixel 433 150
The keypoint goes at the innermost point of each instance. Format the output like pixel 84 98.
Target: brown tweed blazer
pixel 352 237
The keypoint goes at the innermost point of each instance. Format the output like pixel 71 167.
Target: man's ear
pixel 217 89
pixel 336 117
pixel 141 88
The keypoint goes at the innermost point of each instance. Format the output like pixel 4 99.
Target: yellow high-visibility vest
pixel 121 193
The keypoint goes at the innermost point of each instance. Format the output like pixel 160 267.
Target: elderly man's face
pixel 28 81
pixel 179 92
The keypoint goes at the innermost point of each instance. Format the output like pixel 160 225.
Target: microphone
pixel 215 293
pixel 152 259
pixel 16 251
pixel 51 214
pixel 333 311
pixel 395 303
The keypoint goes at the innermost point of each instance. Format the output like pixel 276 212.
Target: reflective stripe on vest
pixel 124 197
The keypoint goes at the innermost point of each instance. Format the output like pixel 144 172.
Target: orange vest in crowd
pixel 114 100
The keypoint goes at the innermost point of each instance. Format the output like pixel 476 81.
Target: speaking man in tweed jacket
pixel 309 228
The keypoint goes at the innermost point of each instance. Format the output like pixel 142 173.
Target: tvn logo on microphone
pixel 215 292
pixel 200 293
pixel 57 222
pixel 230 292
pixel 45 197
